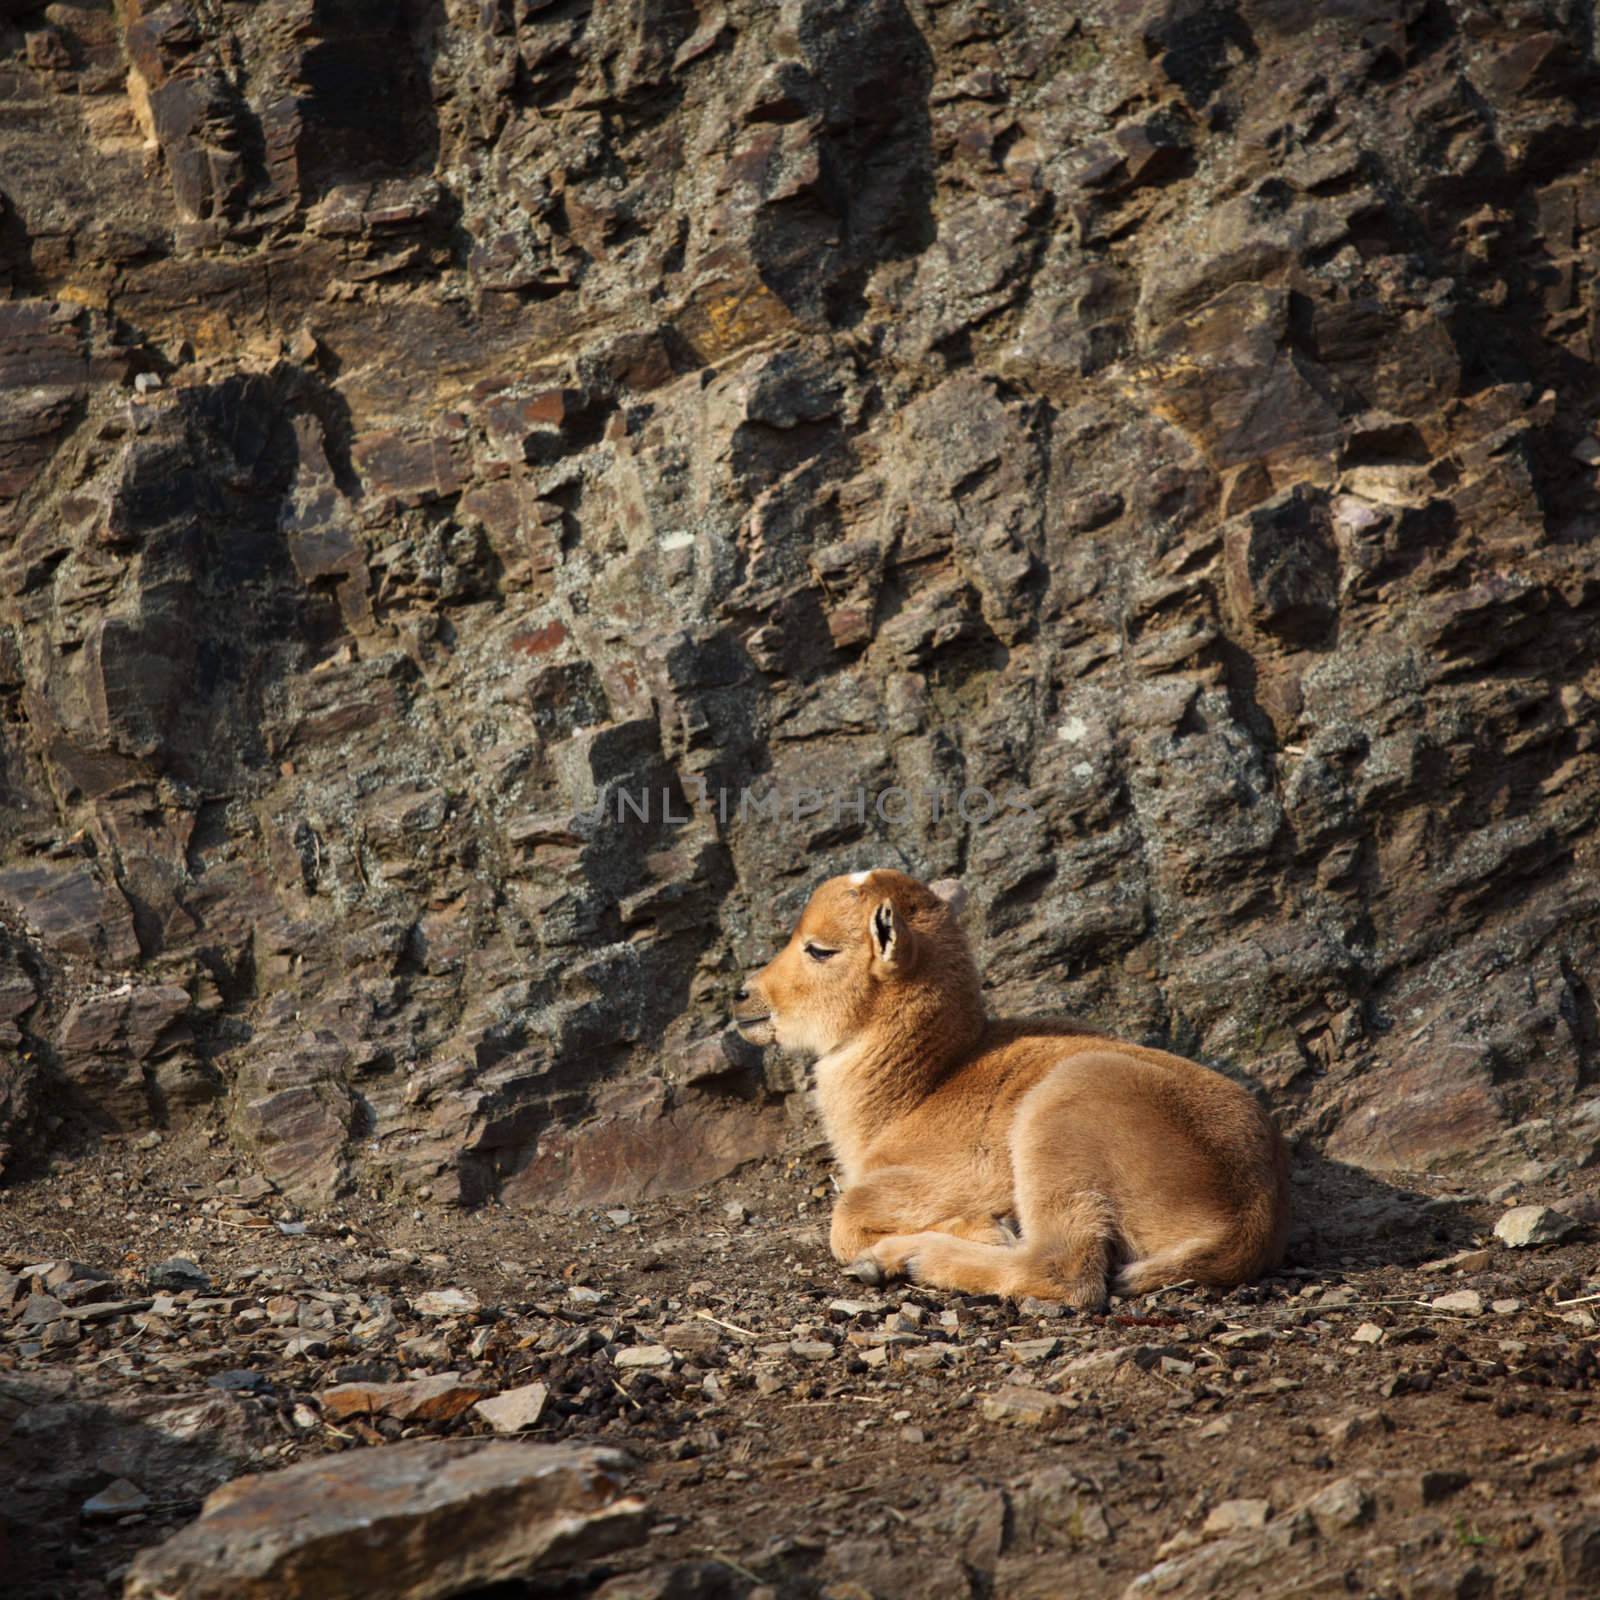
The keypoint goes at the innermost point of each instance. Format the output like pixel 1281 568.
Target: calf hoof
pixel 867 1270
pixel 1088 1294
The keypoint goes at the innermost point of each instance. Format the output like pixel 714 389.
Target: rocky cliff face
pixel 501 497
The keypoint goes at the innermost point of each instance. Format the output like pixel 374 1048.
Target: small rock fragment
pixel 445 1303
pixel 1343 1504
pixel 39 1309
pixel 644 1355
pixel 426 1350
pixel 65 1275
pixel 104 1310
pixel 844 1310
pixel 1363 1425
pixel 1414 1333
pixel 1467 1302
pixel 1024 1407
pixel 1032 1306
pixel 239 1380
pixel 435 1399
pixel 118 1499
pixel 1103 1361
pixel 177 1273
pixel 1461 1261
pixel 695 1338
pixel 1033 1349
pixel 1245 1339
pixel 514 1410
pixel 1367 1333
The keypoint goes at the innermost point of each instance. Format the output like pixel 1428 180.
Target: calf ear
pixel 950 891
pixel 891 938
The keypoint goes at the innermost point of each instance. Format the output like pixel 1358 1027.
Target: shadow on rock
pixel 66 1453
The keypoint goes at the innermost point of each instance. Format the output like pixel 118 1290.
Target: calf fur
pixel 1124 1168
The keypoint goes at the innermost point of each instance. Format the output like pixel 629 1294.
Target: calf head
pixel 872 951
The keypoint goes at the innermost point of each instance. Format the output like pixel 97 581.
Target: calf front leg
pixel 903 1200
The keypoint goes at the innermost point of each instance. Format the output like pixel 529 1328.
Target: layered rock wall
pixel 500 497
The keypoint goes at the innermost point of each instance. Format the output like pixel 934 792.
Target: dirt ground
pixel 1329 1431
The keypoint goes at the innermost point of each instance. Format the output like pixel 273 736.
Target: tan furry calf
pixel 1122 1166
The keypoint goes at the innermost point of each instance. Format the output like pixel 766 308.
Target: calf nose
pixel 744 992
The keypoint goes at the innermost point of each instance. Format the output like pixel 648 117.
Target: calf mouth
pixel 757 1029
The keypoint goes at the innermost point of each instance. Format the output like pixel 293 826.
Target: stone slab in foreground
pixel 407 1521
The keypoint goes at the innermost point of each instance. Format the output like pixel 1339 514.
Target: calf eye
pixel 818 953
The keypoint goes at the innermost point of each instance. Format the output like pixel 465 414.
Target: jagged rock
pixel 1361 1425
pixel 177 1273
pixel 72 911
pixel 300 1121
pixel 1245 1339
pixel 1523 1227
pixel 1283 567
pixel 1055 1505
pixel 39 1309
pixel 429 1518
pixel 1460 1261
pixel 1237 1516
pixel 1342 1505
pixel 410 464
pixel 1232 1564
pixel 435 1399
pixel 693 1339
pixel 1014 1403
